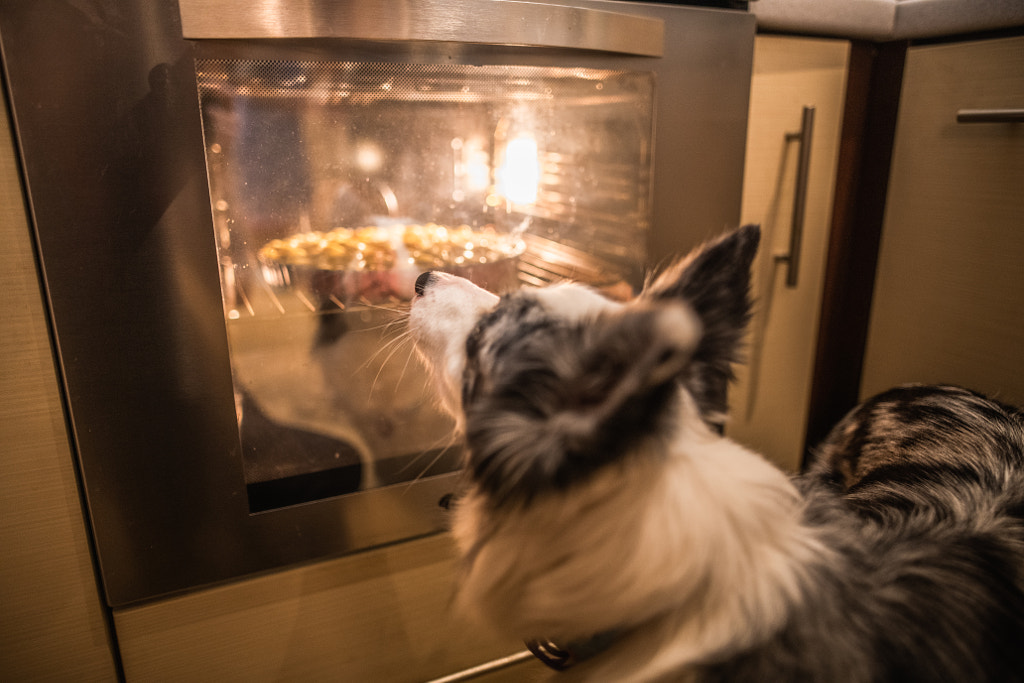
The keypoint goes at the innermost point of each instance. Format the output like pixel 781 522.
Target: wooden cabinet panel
pixel 769 402
pixel 382 615
pixel 949 295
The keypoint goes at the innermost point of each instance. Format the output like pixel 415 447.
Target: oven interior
pixel 333 184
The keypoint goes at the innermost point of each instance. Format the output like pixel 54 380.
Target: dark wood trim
pixel 865 152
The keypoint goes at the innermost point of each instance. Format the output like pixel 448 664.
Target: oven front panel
pixel 133 244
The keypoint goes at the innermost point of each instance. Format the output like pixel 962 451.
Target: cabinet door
pixel 949 294
pixel 769 402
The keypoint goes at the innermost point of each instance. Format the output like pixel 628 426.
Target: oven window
pixel 334 184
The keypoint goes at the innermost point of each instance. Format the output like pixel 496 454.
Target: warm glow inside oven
pixel 334 184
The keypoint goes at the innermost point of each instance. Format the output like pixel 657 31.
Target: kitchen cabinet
pixel 948 303
pixel 768 404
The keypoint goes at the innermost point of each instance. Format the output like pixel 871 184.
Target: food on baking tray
pixel 434 246
pixel 338 249
pixel 376 263
pixel 377 248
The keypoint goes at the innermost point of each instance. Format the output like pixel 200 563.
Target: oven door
pixel 207 375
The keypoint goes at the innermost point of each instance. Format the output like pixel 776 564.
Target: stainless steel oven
pixel 231 201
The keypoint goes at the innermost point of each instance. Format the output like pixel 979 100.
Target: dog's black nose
pixel 422 281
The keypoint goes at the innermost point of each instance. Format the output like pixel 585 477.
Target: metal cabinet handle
pixel 792 258
pixel 498 22
pixel 990 116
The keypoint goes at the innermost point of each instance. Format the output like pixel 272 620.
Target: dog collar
pixel 561 657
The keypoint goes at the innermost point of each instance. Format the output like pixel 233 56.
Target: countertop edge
pixel 885 20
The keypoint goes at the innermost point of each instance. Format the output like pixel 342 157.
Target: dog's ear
pixel 599 389
pixel 631 357
pixel 715 281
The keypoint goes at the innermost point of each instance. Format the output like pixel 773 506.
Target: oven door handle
pixel 491 22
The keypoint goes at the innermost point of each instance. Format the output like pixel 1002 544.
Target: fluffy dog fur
pixel 602 499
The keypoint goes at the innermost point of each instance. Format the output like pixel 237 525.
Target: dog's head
pixel 552 384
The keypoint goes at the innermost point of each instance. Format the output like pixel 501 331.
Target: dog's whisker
pixel 405 367
pixel 395 348
pixel 383 348
pixel 442 451
pixel 449 441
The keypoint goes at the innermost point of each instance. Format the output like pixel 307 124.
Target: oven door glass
pixel 334 184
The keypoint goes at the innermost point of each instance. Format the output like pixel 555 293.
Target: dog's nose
pixel 422 281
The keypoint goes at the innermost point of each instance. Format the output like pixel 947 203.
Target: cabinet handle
pixel 796 234
pixel 990 116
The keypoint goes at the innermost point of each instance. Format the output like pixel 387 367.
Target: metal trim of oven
pixel 499 22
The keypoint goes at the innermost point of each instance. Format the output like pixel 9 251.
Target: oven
pixel 231 202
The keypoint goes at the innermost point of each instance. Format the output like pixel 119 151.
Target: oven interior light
pixel 519 174
pixel 369 157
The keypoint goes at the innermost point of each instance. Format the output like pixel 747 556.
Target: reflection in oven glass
pixel 333 403
pixel 334 184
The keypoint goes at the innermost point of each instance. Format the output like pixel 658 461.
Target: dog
pixel 607 521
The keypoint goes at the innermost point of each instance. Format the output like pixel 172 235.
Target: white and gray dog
pixel 604 511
